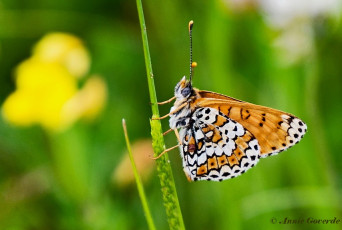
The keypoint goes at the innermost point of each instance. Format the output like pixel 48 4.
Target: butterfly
pixel 221 137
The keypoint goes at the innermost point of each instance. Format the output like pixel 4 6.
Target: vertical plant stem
pixel 140 187
pixel 167 183
pixel 70 164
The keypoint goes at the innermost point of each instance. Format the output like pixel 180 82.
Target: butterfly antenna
pixel 192 64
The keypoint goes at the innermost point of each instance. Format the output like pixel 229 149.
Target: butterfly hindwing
pixel 216 147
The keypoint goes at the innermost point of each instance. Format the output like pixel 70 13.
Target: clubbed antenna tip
pixel 191 23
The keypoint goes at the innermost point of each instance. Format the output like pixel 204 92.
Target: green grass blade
pixel 140 187
pixel 167 183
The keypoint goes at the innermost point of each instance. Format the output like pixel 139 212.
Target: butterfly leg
pixel 170 113
pixel 166 132
pixel 165 102
pixel 165 151
pixel 177 135
pixel 160 118
pixel 169 149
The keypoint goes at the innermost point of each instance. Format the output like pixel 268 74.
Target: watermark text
pixel 307 220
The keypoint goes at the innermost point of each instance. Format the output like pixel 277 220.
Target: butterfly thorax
pixel 184 105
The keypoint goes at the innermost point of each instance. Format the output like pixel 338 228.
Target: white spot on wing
pixel 201 158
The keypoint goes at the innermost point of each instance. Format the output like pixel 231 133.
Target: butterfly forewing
pixel 275 130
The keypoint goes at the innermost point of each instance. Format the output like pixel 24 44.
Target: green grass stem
pixel 140 187
pixel 167 183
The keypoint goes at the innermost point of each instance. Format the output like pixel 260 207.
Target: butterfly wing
pixel 275 130
pixel 216 147
pixel 213 95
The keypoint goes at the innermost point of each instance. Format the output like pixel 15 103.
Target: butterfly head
pixel 183 89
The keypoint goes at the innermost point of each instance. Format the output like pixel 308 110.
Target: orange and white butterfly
pixel 222 137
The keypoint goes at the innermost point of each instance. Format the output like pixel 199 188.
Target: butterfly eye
pixel 186 91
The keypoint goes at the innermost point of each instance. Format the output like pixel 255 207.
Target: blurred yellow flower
pixel 87 102
pixel 42 90
pixel 17 109
pixel 36 75
pixel 47 92
pixel 65 49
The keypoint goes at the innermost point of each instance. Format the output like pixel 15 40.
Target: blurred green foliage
pixel 63 180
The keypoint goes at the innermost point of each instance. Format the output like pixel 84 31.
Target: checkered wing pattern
pixel 216 147
pixel 275 130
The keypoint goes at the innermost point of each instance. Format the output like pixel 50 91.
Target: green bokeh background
pixel 63 181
